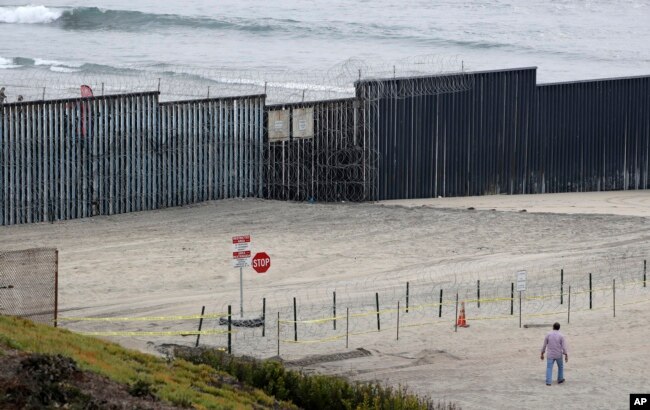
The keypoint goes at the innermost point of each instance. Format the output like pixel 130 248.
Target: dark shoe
pixel 560 381
pixel 548 384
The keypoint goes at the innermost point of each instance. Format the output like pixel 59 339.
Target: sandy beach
pixel 173 261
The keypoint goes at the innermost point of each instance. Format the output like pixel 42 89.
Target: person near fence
pixel 3 97
pixel 555 347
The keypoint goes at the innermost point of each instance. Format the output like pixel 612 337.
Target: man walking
pixel 555 346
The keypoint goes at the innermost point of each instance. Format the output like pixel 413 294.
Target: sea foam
pixel 7 63
pixel 29 15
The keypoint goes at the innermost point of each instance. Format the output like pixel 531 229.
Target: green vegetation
pixel 198 378
pixel 178 382
pixel 309 391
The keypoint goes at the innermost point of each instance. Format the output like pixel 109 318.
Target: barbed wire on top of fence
pixel 41 82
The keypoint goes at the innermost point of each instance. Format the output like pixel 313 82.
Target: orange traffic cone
pixel 462 322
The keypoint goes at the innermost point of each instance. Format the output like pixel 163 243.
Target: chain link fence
pixel 29 284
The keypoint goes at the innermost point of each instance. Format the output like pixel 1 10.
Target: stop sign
pixel 261 262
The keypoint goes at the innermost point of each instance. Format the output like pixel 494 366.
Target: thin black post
pixel 278 322
pixel 263 316
pixel 644 271
pixel 295 321
pixel 198 335
pixel 614 295
pixel 520 309
pixel 229 329
pixel 561 286
pixel 334 308
pixel 440 305
pixel 568 312
pixel 512 298
pixel 590 292
pixel 478 293
pixel 398 319
pixel 456 315
pixel 56 287
pixel 347 326
pixel 407 297
pixel 377 301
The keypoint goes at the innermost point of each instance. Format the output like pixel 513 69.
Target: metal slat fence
pixel 76 158
pixel 336 164
pixel 596 134
pixel 451 135
pixel 213 149
pixel 471 138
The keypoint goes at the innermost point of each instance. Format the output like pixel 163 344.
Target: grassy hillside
pixel 177 382
pixel 45 367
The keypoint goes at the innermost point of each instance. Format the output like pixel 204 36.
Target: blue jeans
pixel 549 369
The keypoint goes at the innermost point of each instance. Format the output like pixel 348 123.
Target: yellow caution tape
pixel 633 303
pixel 328 319
pixel 168 333
pixel 487 300
pixel 542 296
pixel 368 313
pixel 632 282
pixel 148 318
pixel 490 318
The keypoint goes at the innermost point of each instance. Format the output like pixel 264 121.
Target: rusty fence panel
pixel 212 149
pixel 75 158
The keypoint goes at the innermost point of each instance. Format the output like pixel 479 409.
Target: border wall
pixel 508 135
pixel 594 135
pixel 469 142
pixel 489 132
pixel 331 162
pixel 75 158
pixel 212 149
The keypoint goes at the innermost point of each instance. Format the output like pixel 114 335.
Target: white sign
pixel 241 243
pixel 521 281
pixel 241 263
pixel 241 251
pixel 241 259
pixel 303 122
pixel 278 125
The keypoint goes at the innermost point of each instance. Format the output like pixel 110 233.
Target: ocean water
pixel 240 46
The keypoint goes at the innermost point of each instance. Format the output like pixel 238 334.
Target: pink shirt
pixel 554 345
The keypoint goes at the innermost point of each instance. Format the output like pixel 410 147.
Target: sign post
pixel 241 257
pixel 521 287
